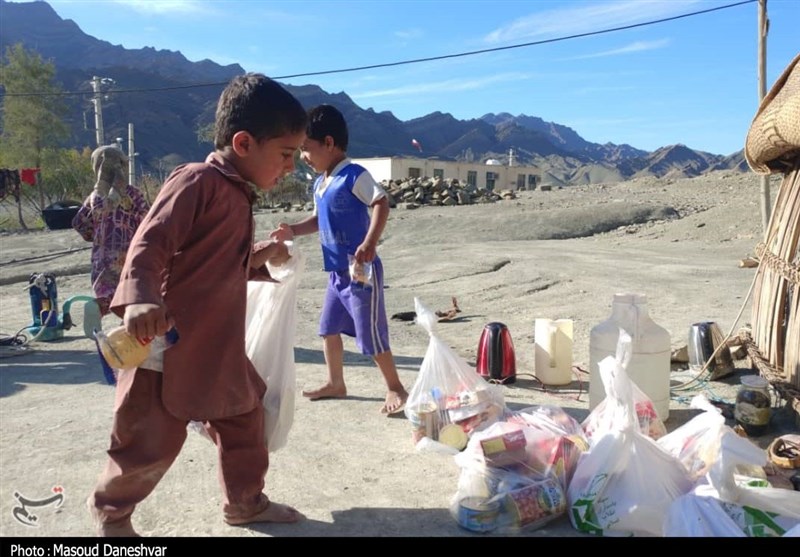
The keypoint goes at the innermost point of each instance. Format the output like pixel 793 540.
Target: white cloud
pixel 586 18
pixel 637 46
pixel 166 6
pixel 449 85
pixel 409 34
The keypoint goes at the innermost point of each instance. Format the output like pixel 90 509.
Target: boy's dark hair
pixel 256 104
pixel 324 120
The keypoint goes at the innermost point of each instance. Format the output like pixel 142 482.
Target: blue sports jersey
pixel 342 217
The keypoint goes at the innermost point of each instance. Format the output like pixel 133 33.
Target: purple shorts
pixel 356 310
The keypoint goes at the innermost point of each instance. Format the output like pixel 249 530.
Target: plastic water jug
pixel 553 351
pixel 649 366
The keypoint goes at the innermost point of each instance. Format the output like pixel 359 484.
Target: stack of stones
pixel 412 193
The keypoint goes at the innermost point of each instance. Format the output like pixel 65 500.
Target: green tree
pixel 69 174
pixel 32 113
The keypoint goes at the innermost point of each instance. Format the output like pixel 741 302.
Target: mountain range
pixel 149 89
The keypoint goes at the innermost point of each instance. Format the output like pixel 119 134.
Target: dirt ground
pixel 349 469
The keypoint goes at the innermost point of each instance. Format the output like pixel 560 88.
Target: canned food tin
pixel 416 413
pixel 429 422
pixel 536 503
pixel 478 514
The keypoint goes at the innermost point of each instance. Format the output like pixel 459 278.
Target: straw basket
pixel 772 147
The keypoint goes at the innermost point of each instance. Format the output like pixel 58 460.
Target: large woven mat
pixel 774 135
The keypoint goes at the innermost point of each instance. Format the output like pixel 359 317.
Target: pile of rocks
pixel 411 193
pixel 414 192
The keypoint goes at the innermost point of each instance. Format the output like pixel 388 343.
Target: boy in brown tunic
pixel 188 267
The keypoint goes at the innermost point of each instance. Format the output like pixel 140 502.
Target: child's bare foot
pixel 395 402
pixel 326 391
pixel 274 512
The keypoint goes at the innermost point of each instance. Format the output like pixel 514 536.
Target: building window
pixel 490 178
pixel 472 178
pixel 438 173
pixel 414 172
pixel 532 181
pixel 520 181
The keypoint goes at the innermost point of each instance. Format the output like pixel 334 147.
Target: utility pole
pixel 763 29
pixel 131 157
pixel 98 110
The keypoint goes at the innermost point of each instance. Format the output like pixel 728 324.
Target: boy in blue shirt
pixel 344 193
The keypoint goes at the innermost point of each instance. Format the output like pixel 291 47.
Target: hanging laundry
pixel 28 175
pixel 9 183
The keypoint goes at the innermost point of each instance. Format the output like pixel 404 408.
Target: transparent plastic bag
pixel 270 329
pixel 271 324
pixel 360 272
pixel 449 400
pixel 563 443
pixel 506 482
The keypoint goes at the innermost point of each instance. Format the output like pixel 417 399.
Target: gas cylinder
pixel 649 366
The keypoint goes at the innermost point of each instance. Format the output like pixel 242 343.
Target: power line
pixel 404 62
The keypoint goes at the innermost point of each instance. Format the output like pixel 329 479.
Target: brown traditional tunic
pixel 192 253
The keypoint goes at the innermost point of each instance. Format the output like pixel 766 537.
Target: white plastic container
pixel 649 367
pixel 553 351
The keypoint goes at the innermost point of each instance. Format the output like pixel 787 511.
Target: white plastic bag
pixel 735 453
pixel 271 324
pixel 699 517
pixel 724 494
pixel 625 483
pixel 604 414
pixel 696 443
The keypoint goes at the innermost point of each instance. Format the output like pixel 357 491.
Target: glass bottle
pixel 753 405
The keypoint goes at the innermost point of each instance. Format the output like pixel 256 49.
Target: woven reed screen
pixel 773 147
pixel 776 294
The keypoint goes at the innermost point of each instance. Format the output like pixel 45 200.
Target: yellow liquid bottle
pixel 121 349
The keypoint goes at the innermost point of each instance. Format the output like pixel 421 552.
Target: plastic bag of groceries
pixel 625 483
pixel 600 418
pixel 506 482
pixel 697 442
pixel 565 443
pixel 727 497
pixel 449 400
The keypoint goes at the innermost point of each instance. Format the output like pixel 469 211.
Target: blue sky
pixel 692 80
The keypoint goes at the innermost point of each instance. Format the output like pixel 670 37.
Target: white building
pixel 491 175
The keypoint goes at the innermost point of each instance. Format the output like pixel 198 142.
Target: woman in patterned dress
pixel 109 218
